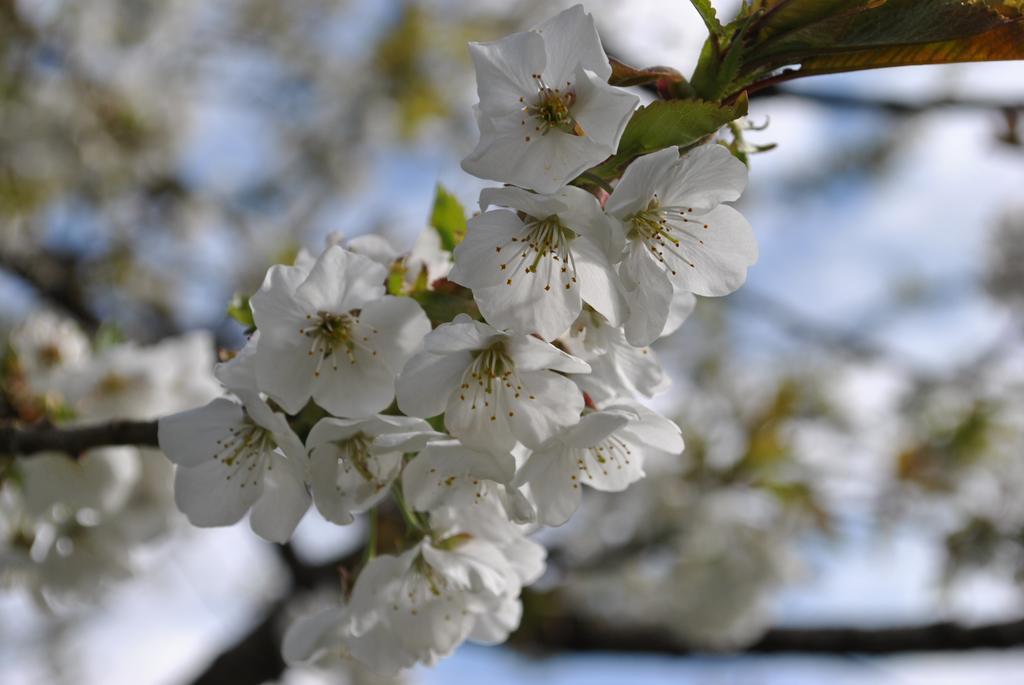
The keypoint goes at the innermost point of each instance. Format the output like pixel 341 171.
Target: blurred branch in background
pixel 255 657
pixel 904 106
pixel 74 441
pixel 56 280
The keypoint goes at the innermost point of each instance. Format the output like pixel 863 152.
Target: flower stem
pixel 371 540
pixel 597 180
pixel 412 519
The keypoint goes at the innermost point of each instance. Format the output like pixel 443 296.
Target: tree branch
pixel 54 279
pixel 256 657
pixel 31 440
pixel 578 633
pixel 892 105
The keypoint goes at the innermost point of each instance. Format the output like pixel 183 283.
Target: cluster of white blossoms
pixel 69 526
pixel 477 431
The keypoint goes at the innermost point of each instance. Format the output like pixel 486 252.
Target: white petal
pixel 275 422
pixel 357 388
pixel 428 380
pixel 493 627
pixel 273 306
pixel 599 283
pixel 461 334
pixel 602 111
pixel 682 306
pixel 704 177
pixel 518 506
pixel 649 293
pixel 613 469
pixel 478 258
pixel 214 494
pixel 310 634
pixel 331 429
pixel 474 565
pixel 505 69
pixel 436 629
pixel 285 370
pixel 638 370
pixel 537 302
pixel 532 204
pixel 481 419
pixel 526 558
pixel 101 479
pixel 401 324
pixel 584 215
pixel 510 154
pixel 641 180
pixel 379 576
pixel 341 281
pixel 406 442
pixel 556 403
pixel 531 354
pixel 283 503
pixel 191 437
pixel 451 474
pixel 379 650
pixel 376 247
pixel 720 245
pixel 653 430
pixel 593 428
pixel 554 484
pixel 240 372
pixel 571 40
pixel 339 488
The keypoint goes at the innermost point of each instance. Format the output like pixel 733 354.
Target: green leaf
pixel 826 36
pixel 782 16
pixel 446 301
pixel 396 277
pixel 668 123
pixel 238 309
pixel 108 335
pixel 707 12
pixel 448 218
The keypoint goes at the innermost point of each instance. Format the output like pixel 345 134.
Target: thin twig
pixel 29 440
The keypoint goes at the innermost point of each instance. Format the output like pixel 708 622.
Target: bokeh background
pixel 854 415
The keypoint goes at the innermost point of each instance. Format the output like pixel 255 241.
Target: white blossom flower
pixel 333 335
pixel 48 345
pixel 680 239
pixel 448 473
pixel 129 381
pixel 546 111
pixel 531 267
pixel 494 388
pixel 426 254
pixel 618 369
pixel 100 480
pixel 353 461
pixel 461 583
pixel 714 590
pixel 605 450
pixel 424 602
pixel 325 637
pixel 232 457
pixel 239 372
pixel 372 245
pixel 488 520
